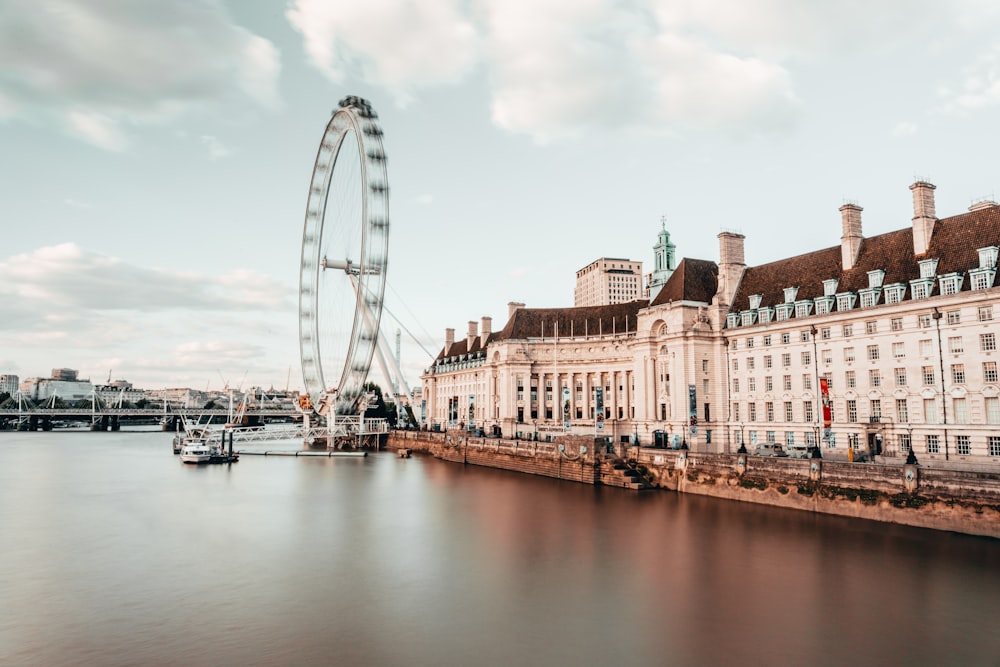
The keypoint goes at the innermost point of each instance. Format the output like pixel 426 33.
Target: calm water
pixel 112 552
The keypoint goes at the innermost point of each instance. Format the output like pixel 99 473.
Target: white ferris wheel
pixel 345 243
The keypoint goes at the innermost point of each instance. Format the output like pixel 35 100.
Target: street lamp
pixel 911 458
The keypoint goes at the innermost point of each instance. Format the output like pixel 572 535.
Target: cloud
pixel 215 148
pixel 979 88
pixel 97 68
pixel 66 279
pixel 904 129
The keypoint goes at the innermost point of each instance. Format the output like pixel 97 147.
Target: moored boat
pixel 195 450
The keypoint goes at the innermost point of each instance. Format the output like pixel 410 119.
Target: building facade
pixel 9 384
pixel 878 345
pixel 607 281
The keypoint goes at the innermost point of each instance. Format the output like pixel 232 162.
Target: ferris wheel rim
pixel 354 119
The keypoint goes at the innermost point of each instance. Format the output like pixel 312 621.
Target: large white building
pixel 608 280
pixel 882 344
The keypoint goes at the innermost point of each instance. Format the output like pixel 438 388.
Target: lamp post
pixel 911 458
pixel 635 439
pixel 816 453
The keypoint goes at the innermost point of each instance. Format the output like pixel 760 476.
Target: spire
pixel 664 260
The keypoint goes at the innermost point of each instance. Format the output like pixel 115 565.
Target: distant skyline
pixel 157 155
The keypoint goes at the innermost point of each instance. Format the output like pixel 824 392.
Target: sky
pixel 155 156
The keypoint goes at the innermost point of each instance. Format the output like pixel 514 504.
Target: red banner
pixel 824 391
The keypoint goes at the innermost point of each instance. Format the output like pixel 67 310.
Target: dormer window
pixel 824 304
pixel 894 293
pixel 765 315
pixel 922 287
pixel 803 308
pixel 951 283
pixel 869 297
pixel 732 320
pixel 988 257
pixel 830 287
pixel 928 268
pixel 845 301
pixel 875 278
pixel 755 301
pixel 783 311
pixel 747 317
pixel 790 294
pixel 981 278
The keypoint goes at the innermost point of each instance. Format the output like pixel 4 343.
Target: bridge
pixel 101 418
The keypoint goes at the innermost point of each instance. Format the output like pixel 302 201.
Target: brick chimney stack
pixel 470 337
pixel 486 327
pixel 850 241
pixel 731 266
pixel 449 339
pixel 924 216
pixel 512 307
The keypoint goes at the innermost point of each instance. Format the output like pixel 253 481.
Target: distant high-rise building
pixel 8 384
pixel 663 260
pixel 607 281
pixel 67 374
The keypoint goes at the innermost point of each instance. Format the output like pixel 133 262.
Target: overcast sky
pixel 155 156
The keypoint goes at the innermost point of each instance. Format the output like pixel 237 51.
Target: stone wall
pixel 957 501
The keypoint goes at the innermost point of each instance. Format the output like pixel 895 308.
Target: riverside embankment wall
pixel 958 501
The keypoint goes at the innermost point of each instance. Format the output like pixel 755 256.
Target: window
pixel 848 354
pixel 932 444
pixel 989 371
pixel 993 442
pixel 900 374
pixel 981 279
pixel 920 289
pixel 786 338
pixel 955 345
pixel 704 365
pixel 873 353
pixel 769 410
pixel 788 411
pixel 894 293
pixel 829 380
pixel 767 361
pixel 993 410
pixel 987 342
pixel 786 383
pixel 804 336
pixel 750 363
pixel 751 384
pixel 827 356
pixel 871 327
pixel 852 380
pixel 786 359
pixel 869 297
pixel 808 406
pixel 802 308
pixel 736 411
pixel 926 347
pixel 960 410
pixel 767 339
pixel 896 324
pixel 985 313
pixel 824 333
pixel 807 358
pixel 752 409
pixel 770 436
pixel 874 378
pixel 807 382
pixel 928 267
pixel 924 321
pixel 898 350
pixel 704 387
pixel 789 438
pixel 846 301
pixel 736 365
pixel 930 411
pixel 958 373
pixel 902 411
pixel 904 443
pixel 928 374
pixel 848 330
pixel 736 385
pixel 852 411
pixel 875 410
pixel 749 342
pixel 954 316
pixel 768 384
pixel 951 283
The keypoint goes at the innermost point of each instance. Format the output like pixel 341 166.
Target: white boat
pixel 195 450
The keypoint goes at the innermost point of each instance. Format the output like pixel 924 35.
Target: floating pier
pixel 303 453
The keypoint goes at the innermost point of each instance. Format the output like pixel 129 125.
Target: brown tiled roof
pixel 954 243
pixel 542 322
pixel 692 280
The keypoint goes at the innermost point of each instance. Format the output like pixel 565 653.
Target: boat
pixel 195 450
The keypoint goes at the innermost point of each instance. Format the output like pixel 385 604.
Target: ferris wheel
pixel 345 243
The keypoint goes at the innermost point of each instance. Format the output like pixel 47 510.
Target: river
pixel 112 552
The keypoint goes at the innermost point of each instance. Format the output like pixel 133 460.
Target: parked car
pixel 798 452
pixel 770 449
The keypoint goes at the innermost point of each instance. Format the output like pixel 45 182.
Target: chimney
pixel 731 266
pixel 486 327
pixel 449 340
pixel 470 338
pixel 513 306
pixel 850 242
pixel 923 216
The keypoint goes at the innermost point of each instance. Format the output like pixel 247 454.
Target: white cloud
pixel 979 88
pixel 215 147
pixel 96 68
pixel 904 129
